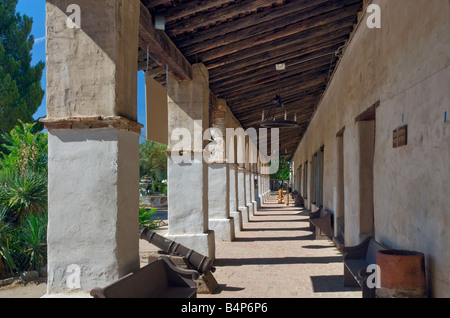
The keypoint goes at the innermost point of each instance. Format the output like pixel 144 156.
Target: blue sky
pixel 36 10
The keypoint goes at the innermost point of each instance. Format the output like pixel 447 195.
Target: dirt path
pixel 30 290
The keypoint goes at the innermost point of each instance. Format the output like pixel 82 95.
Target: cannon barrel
pixel 199 262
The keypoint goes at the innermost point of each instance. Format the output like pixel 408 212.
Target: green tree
pixel 283 170
pixel 153 160
pixel 20 88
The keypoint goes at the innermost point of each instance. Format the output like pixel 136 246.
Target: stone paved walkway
pixel 276 256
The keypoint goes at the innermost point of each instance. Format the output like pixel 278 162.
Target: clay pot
pixel 402 274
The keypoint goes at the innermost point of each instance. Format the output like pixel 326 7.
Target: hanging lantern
pixel 277 105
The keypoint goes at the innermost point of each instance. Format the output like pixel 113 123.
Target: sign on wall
pixel 400 137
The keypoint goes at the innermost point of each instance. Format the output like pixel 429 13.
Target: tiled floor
pixel 276 256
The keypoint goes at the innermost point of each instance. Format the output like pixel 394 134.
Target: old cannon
pixel 198 262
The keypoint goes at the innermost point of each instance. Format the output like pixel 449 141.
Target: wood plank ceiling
pixel 241 41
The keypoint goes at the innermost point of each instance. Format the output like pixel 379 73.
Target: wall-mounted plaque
pixel 400 137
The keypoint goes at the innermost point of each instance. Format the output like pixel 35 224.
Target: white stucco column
pixel 220 220
pixel 248 191
pixel 234 201
pixel 242 203
pixel 260 198
pixel 93 142
pixel 258 190
pixel 266 182
pixel 253 189
pixel 188 112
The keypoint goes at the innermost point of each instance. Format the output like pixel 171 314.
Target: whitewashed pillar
pixel 242 203
pixel 220 220
pixel 93 142
pixel 234 201
pixel 248 175
pixel 188 112
pixel 253 188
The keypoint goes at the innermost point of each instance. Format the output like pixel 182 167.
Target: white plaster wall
pixel 93 206
pixel 412 191
pixel 188 198
pixel 219 202
pixel 404 65
pixel 218 191
pixel 233 187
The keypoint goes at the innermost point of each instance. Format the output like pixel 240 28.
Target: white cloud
pixel 39 40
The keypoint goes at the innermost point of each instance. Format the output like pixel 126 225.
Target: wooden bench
pixel 159 279
pixel 321 222
pixel 356 261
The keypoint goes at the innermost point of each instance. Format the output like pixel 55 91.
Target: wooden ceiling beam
pixel 295 102
pixel 251 36
pixel 265 73
pixel 282 49
pixel 274 80
pixel 217 16
pixel 155 3
pixel 297 106
pixel 162 47
pixel 301 102
pixel 248 21
pixel 272 35
pixel 252 65
pixel 264 100
pixel 307 103
pixel 302 118
pixel 189 8
pixel 258 74
pixel 265 95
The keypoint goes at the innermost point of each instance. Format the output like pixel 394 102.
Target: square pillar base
pixel 251 210
pixel 237 218
pixel 224 229
pixel 244 214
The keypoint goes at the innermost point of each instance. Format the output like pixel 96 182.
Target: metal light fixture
pixel 270 120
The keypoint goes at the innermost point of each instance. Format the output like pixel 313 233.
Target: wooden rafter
pixel 240 41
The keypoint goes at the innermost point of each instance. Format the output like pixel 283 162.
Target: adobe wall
pixel 73 88
pixel 405 66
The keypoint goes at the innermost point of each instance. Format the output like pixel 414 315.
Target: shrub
pixel 26 150
pixel 23 200
pixel 32 237
pixel 23 194
pixel 145 218
pixel 8 246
